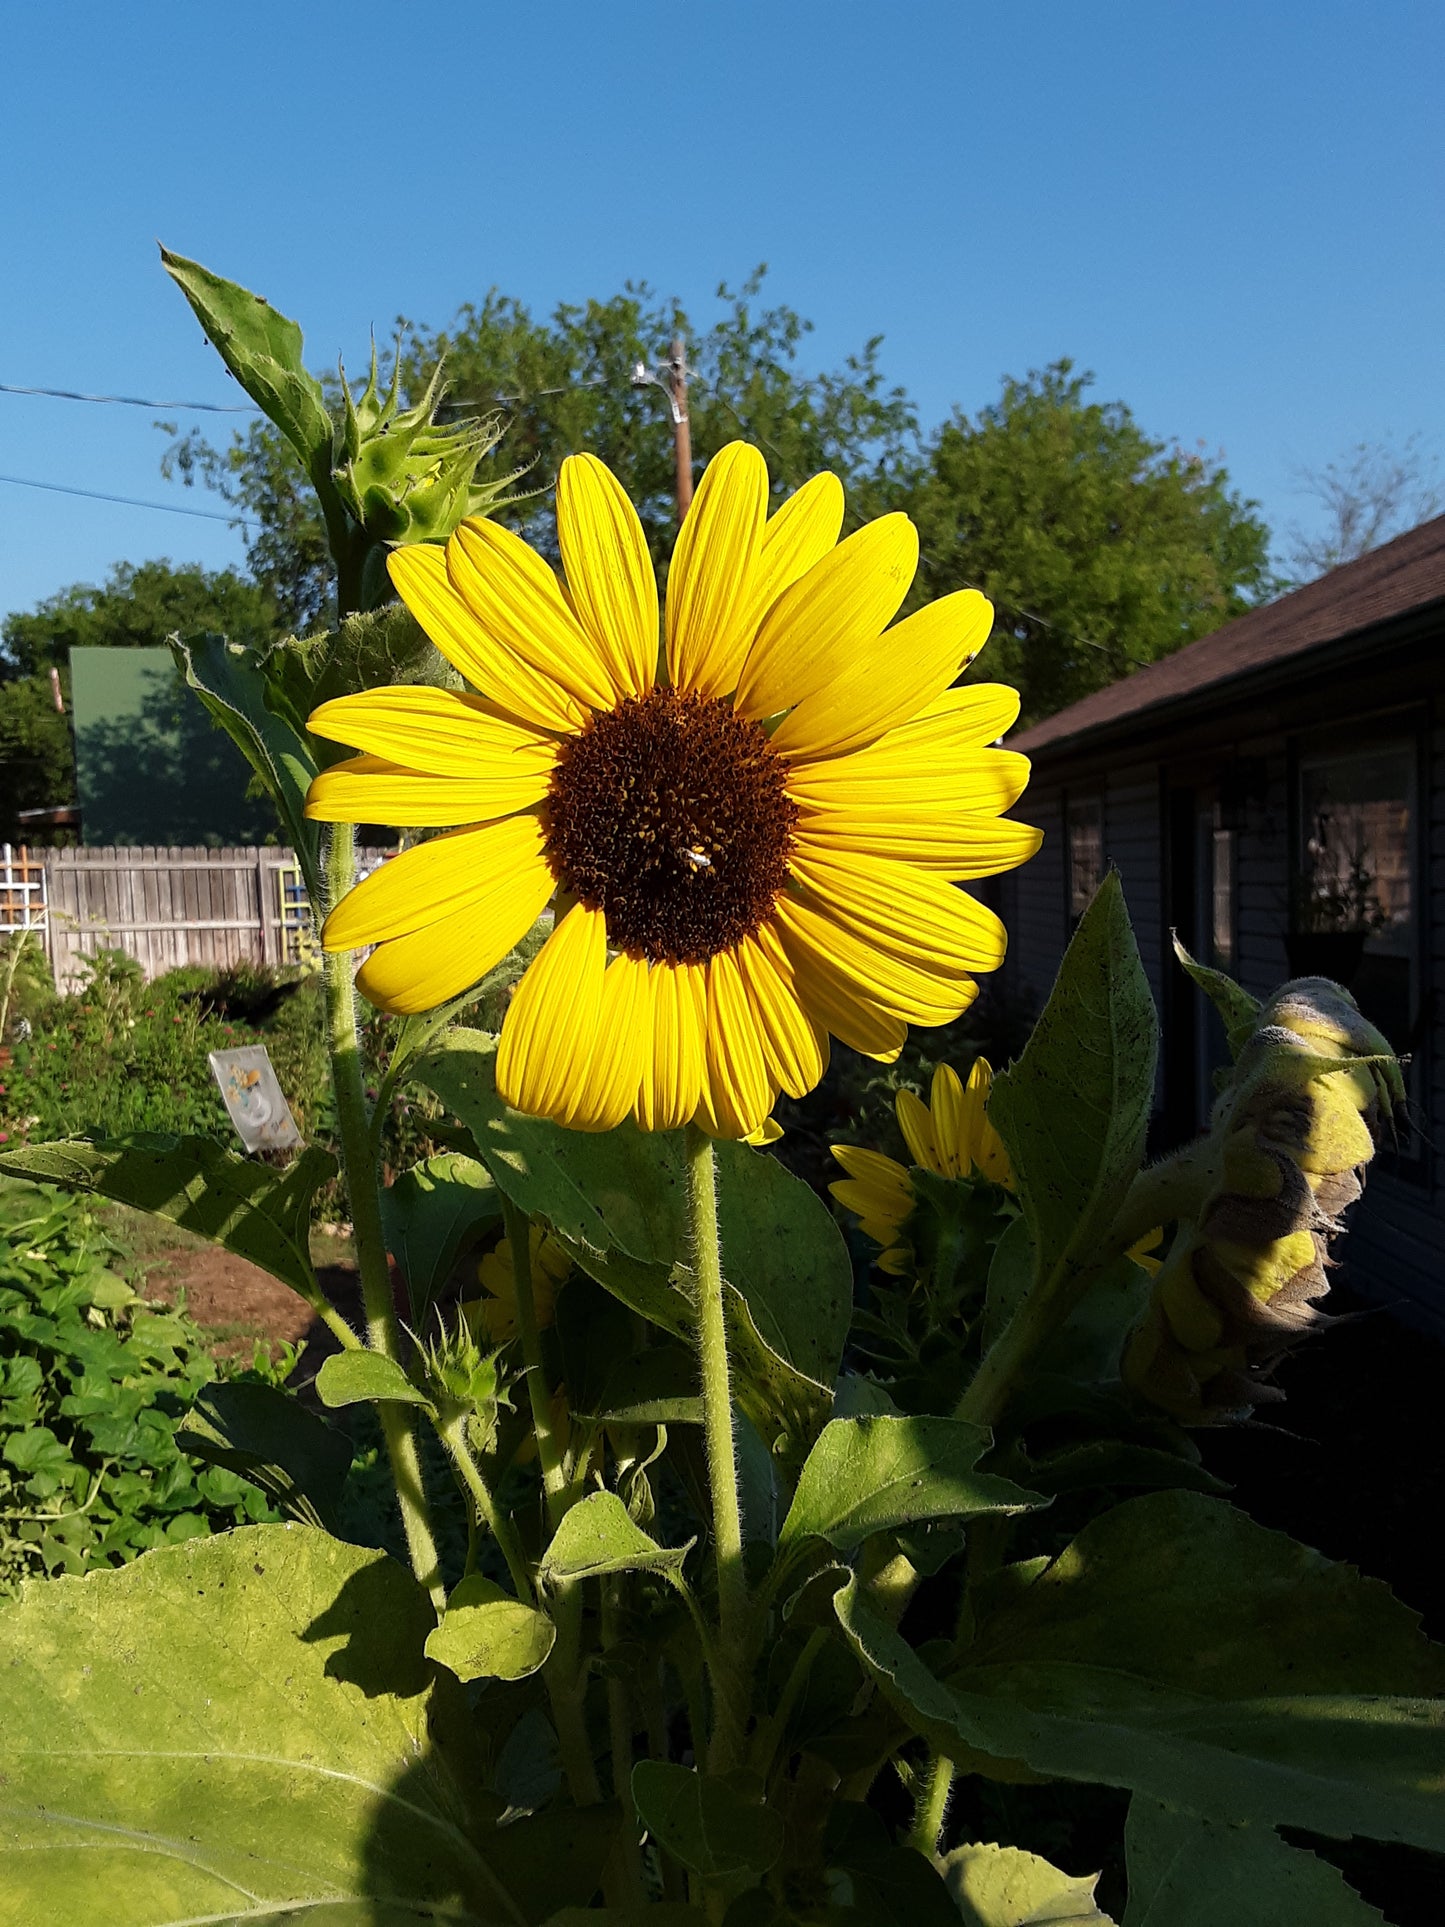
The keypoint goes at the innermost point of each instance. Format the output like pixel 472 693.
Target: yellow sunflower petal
pixel 607 1087
pixel 880 1226
pixel 830 992
pixel 672 1070
pixel 887 684
pixel 980 781
pixel 736 1093
pixel 860 977
pixel 419 572
pixel 551 1023
pixel 961 846
pixel 949 1115
pixel 610 578
pixel 802 532
pixel 428 967
pixel 519 602
pixel 831 616
pixel 986 1148
pixel 884 1174
pixel 443 732
pixel 917 1127
pixel 369 789
pixel 910 914
pixel 795 1049
pixel 711 583
pixel 497 865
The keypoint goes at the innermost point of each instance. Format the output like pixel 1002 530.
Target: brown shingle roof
pixel 1404 575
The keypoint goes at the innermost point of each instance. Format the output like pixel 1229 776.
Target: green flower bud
pixel 1313 1090
pixel 403 476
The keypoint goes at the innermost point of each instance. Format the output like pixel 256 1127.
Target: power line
pixel 129 501
pixel 133 401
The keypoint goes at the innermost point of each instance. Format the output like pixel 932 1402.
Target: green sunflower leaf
pixel 598 1536
pixel 1180 1650
pixel 703 1823
pixel 1185 1871
pixel 261 1214
pixel 431 1212
pixel 239 1727
pixel 1074 1109
pixel 866 1475
pixel 361 1377
pixel 488 1634
pixel 1006 1887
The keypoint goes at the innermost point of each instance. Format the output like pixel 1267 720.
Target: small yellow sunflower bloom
pixel 493 1316
pixel 949 1136
pixel 751 844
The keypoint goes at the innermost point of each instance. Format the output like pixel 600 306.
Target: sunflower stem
pixel 566 1683
pixel 722 1466
pixel 453 1436
pixel 358 1165
pixel 932 1808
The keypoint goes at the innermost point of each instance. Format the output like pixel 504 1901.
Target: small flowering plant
pixel 763 1589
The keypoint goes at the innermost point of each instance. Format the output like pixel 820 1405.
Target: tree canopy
pixel 137 607
pixel 1102 547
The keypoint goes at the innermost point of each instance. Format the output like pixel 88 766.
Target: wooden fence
pixel 164 907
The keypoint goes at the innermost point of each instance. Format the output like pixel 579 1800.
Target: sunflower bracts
pixel 1313 1089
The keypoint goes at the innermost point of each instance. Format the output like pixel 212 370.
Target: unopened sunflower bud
pixel 1313 1090
pixel 404 476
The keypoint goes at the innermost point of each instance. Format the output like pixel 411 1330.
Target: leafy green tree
pixel 37 760
pixel 564 384
pixel 137 607
pixel 1102 548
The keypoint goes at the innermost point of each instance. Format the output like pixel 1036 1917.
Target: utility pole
pixel 681 426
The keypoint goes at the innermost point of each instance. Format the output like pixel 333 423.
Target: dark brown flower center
pixel 670 815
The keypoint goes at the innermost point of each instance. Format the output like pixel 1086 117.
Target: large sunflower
pixel 751 844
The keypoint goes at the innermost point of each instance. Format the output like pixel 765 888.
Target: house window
pixel 1356 887
pixel 1085 819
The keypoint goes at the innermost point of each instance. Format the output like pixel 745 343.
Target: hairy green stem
pixel 566 1683
pixel 722 1466
pixel 627 1861
pixel 359 1166
pixel 932 1808
pixel 549 1452
pixel 1174 1188
pixel 453 1435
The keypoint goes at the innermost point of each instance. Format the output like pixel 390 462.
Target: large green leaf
pixel 486 1633
pixel 261 1214
pixel 230 1729
pixel 1185 1871
pixel 1006 1887
pixel 866 1475
pixel 1178 1649
pixel 230 681
pixel 267 1436
pixel 431 1212
pixel 614 1190
pixel 1074 1109
pixel 705 1824
pixel 598 1536
pixel 263 350
pixel 782 1249
pixel 623 1193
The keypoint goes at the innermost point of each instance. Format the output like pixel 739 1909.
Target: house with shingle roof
pixel 1275 793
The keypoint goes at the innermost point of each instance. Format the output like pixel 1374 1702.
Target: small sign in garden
pixel 255 1100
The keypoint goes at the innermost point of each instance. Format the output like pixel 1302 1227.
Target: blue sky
pixel 1232 212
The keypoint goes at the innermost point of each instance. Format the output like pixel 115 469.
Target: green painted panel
pixel 150 765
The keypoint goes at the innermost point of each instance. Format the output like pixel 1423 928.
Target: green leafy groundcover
pixel 93 1385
